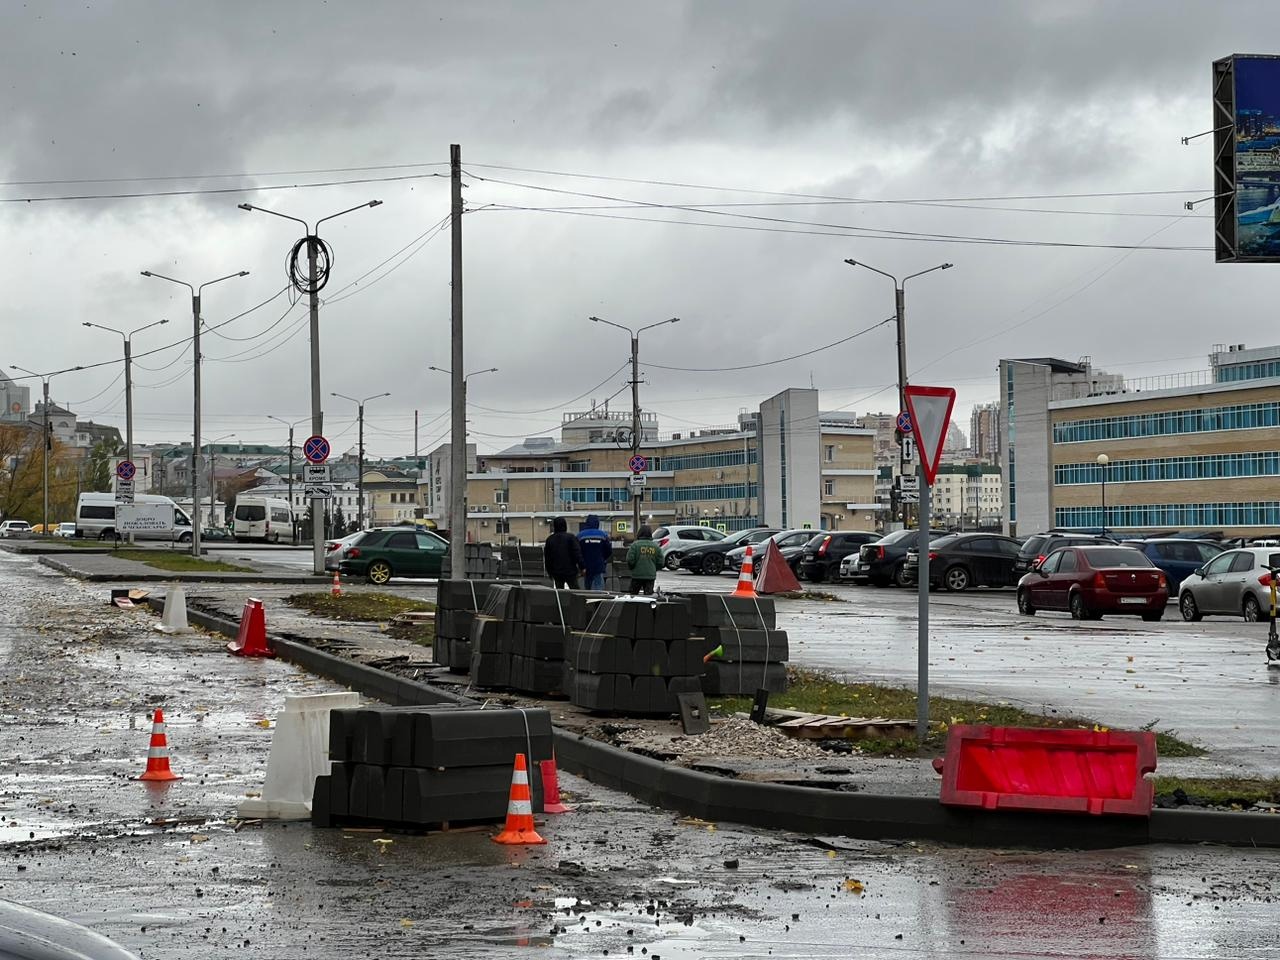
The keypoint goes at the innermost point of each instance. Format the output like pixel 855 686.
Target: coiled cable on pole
pixel 299 273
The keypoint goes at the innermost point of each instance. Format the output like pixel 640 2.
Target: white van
pixel 262 518
pixel 96 517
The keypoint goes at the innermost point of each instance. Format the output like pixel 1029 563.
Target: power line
pixel 219 190
pixel 221 176
pixel 429 235
pixel 770 363
pixel 560 406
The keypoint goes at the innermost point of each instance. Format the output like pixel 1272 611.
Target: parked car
pixel 268 519
pixel 12 529
pixel 965 560
pixel 709 558
pixel 215 533
pixel 882 561
pixel 675 539
pixel 395 552
pixel 96 517
pixel 1036 548
pixel 821 557
pixel 1178 558
pixel 1092 580
pixel 1235 583
pixel 335 551
pixel 66 529
pixel 785 539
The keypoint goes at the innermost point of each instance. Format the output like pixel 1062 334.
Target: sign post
pixel 316 449
pixel 930 412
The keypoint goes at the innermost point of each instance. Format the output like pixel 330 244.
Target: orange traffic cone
pixel 551 788
pixel 251 641
pixel 518 829
pixel 746 577
pixel 336 590
pixel 158 754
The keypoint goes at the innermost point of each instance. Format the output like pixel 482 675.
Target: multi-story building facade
pixel 1188 451
pixel 15 400
pixel 967 496
pixel 984 432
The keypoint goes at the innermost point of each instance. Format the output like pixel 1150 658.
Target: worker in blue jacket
pixel 596 551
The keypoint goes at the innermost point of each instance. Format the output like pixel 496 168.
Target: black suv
pixel 881 562
pixel 1041 545
pixel 820 559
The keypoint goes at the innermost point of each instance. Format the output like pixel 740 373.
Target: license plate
pixel 1133 599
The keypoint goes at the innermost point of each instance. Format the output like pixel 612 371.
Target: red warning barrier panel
pixel 1060 771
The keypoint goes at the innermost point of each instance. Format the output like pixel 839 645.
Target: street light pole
pixel 458 501
pixel 360 455
pixel 1103 460
pixel 213 483
pixel 635 403
pixel 293 525
pixel 196 293
pixel 900 315
pixel 312 288
pixel 48 438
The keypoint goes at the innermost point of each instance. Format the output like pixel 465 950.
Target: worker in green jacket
pixel 642 561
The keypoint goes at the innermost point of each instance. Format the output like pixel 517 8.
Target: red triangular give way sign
pixel 930 409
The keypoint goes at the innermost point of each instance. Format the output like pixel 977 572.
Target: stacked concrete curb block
pixel 416 767
pixel 456 604
pixel 755 652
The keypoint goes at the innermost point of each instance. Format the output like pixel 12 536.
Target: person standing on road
pixel 596 551
pixel 642 561
pixel 562 556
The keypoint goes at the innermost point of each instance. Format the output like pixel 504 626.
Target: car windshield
pixel 943 542
pixel 1032 547
pixel 1101 557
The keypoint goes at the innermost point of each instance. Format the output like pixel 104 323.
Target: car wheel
pixel 818 574
pixel 184 538
pixel 1025 607
pixel 1190 611
pixel 1078 609
pixel 956 578
pixel 900 575
pixel 672 561
pixel 107 535
pixel 379 572
pixel 713 563
pixel 1252 610
pixel 1153 616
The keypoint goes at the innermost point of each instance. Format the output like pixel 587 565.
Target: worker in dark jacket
pixel 596 552
pixel 562 556
pixel 643 558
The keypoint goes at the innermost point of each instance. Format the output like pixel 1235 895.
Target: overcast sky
pixel 726 103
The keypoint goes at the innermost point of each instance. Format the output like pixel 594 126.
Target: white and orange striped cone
pixel 518 829
pixel 158 754
pixel 336 589
pixel 746 577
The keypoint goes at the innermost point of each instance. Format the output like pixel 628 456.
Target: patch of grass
pixel 816 692
pixel 369 607
pixel 1222 791
pixel 811 595
pixel 178 562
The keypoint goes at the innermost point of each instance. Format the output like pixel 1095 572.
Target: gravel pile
pixel 732 737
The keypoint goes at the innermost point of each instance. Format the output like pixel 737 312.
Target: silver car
pixel 1236 583
pixel 335 551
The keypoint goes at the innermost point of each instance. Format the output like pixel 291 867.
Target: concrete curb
pixel 801 809
pixel 172 576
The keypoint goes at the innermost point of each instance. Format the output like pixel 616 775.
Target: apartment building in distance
pixel 984 432
pixel 1198 450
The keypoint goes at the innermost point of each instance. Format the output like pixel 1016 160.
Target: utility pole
pixel 48 437
pixel 457 392
pixel 360 468
pixel 293 523
pixel 900 315
pixel 312 287
pixel 415 435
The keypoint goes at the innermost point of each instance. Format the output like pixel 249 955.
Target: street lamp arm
pixel 610 323
pixel 229 276
pixel 374 397
pixel 161 276
pixel 98 326
pixel 146 326
pixel 867 266
pixel 658 324
pixel 475 373
pixel 343 396
pixel 275 213
pixel 370 203
pixel 941 266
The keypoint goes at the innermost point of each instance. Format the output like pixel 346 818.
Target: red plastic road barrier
pixel 775 574
pixel 251 641
pixel 1060 771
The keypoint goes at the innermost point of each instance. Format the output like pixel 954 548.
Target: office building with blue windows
pixel 1198 450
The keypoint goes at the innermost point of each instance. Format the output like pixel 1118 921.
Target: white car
pixel 335 551
pixel 674 540
pixel 12 529
pixel 67 529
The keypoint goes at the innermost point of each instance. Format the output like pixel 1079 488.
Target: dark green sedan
pixel 390 552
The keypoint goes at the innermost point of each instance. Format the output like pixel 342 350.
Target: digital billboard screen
pixel 1247 158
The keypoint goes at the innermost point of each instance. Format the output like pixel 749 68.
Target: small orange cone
pixel 746 577
pixel 252 638
pixel 551 788
pixel 336 590
pixel 518 829
pixel 158 754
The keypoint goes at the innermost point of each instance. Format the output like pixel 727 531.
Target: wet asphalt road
pixel 167 873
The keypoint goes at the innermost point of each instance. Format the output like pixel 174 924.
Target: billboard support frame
pixel 1225 223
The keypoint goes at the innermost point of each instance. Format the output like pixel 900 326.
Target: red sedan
pixel 1093 580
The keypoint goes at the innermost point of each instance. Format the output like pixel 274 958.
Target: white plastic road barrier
pixel 299 754
pixel 174 619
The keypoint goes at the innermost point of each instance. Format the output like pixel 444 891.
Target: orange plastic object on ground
pixel 251 641
pixel 1058 771
pixel 776 575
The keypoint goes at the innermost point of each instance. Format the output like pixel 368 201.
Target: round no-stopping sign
pixel 638 464
pixel 125 469
pixel 904 422
pixel 316 449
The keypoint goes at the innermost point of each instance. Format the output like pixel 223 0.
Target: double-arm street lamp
pixel 293 525
pixel 48 437
pixel 458 470
pixel 360 468
pixel 311 285
pixel 635 402
pixel 196 293
pixel 213 482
